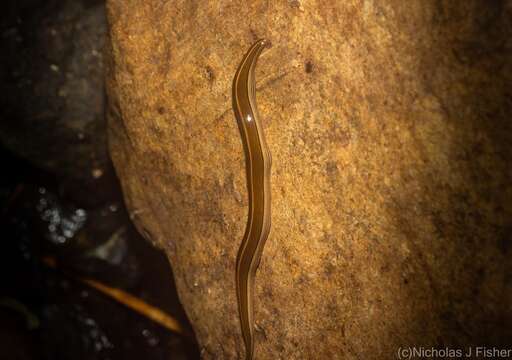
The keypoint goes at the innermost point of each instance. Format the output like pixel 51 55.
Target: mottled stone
pixel 389 126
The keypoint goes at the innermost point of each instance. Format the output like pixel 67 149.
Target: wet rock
pixel 389 127
pixel 97 243
pixel 52 103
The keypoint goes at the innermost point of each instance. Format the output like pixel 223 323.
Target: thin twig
pixel 130 301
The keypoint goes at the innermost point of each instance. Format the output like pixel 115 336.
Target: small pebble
pixel 97 173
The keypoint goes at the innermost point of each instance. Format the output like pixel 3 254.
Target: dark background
pixel 60 200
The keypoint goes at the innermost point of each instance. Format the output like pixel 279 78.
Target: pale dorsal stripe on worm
pixel 258 162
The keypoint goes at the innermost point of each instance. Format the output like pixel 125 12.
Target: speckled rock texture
pixel 389 126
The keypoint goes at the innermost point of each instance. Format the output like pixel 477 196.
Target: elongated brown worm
pixel 257 162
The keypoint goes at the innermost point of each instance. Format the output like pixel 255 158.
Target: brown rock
pixel 389 126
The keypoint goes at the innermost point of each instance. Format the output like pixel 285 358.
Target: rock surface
pixel 52 85
pixel 389 126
